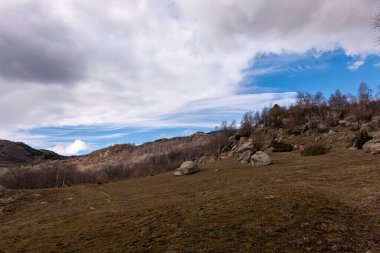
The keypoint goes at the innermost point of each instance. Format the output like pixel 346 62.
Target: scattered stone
pixel 43 202
pixel 2 187
pixel 186 168
pixel 245 156
pixel 260 158
pixel 331 132
pixel 92 208
pixel 271 197
pixel 353 148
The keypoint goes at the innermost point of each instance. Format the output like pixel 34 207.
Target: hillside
pixel 113 163
pixel 13 154
pixel 20 153
pixel 329 203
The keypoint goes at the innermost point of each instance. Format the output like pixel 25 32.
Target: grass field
pixel 329 203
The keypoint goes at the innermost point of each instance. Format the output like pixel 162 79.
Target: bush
pixel 281 147
pixel 361 139
pixel 314 150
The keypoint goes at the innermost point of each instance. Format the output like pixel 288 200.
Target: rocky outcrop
pixel 186 168
pixel 260 158
pixel 372 146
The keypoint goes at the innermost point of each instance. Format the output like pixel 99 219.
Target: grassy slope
pixel 327 203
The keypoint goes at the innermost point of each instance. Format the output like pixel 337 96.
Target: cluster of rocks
pixel 246 152
pixel 255 159
pixel 373 130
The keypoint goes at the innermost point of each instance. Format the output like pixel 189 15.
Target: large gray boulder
pixel 260 158
pixel 245 156
pixel 372 146
pixel 186 168
pixel 1 187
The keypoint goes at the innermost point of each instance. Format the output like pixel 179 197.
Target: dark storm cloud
pixel 37 46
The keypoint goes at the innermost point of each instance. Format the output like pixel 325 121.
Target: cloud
pixel 37 46
pixel 69 63
pixel 72 149
pixel 355 65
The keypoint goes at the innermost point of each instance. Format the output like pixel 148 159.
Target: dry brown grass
pixel 329 203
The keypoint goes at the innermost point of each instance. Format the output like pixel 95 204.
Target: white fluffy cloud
pixel 72 149
pixel 355 65
pixel 134 62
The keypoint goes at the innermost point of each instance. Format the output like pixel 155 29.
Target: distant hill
pixel 18 153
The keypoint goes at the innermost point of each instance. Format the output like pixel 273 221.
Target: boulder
pixel 371 126
pixel 260 158
pixel 375 149
pixel 1 187
pixel 245 156
pixel 372 146
pixel 322 127
pixel 246 145
pixel 186 168
pixel 351 118
pixel 375 135
pixel 331 132
pixel 344 123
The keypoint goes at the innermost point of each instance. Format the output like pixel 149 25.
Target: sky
pixel 76 76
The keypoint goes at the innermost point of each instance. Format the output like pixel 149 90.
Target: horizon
pixel 77 77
